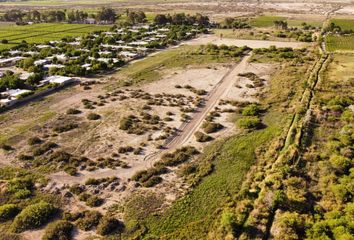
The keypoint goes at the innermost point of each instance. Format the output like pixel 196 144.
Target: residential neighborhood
pixel 38 67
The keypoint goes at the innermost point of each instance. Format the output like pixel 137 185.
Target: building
pixel 48 66
pixel 90 21
pixel 61 80
pixel 6 62
pixel 15 93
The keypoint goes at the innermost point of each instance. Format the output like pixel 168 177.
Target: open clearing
pixel 213 39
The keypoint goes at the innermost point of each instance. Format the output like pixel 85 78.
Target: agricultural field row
pixel 268 21
pixel 345 24
pixel 40 33
pixel 340 43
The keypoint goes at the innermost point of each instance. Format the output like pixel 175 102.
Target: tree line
pixel 19 16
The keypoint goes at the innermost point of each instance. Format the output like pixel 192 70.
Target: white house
pixel 15 93
pixel 62 80
pixel 40 62
pixel 48 66
pixel 10 61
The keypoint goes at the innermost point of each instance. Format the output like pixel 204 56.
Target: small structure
pixel 24 76
pixel 41 46
pixel 15 52
pixel 61 80
pixel 40 62
pixel 10 61
pixel 15 93
pixel 90 21
pixel 48 66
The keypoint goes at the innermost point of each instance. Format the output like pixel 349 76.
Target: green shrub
pixel 65 127
pixel 76 189
pixel 84 196
pixel 211 127
pixel 125 149
pixel 73 111
pixel 201 137
pixel 89 220
pixel 109 225
pixel 8 211
pixel 71 170
pixel 93 116
pixel 45 147
pixel 22 194
pixel 34 140
pixel 20 187
pixel 249 122
pixel 251 110
pixel 5 147
pixel 145 175
pixel 340 163
pixel 94 201
pixel 177 157
pixel 154 180
pixel 59 230
pixel 126 122
pixel 32 217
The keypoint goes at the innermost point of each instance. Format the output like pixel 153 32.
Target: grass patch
pixel 344 24
pixel 7 133
pixel 266 21
pixel 44 32
pixel 340 43
pixel 197 210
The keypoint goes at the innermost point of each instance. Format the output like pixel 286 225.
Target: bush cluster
pixel 109 225
pixel 32 217
pixel 202 137
pixel 8 211
pixel 59 230
pixel 211 127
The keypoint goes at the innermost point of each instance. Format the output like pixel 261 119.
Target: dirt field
pixel 205 39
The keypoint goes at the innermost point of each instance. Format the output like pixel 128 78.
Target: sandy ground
pixel 205 39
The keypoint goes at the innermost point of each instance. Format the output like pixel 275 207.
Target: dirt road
pixel 187 131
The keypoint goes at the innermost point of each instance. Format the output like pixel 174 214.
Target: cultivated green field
pixel 340 43
pixel 266 21
pixel 345 24
pixel 40 33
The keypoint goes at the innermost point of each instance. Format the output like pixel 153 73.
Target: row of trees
pixel 181 19
pixel 105 14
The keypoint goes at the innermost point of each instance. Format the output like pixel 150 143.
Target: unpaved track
pixel 187 131
pixel 223 86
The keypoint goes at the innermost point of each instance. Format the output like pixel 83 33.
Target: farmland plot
pixel 40 33
pixel 340 43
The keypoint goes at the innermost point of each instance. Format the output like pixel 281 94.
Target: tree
pixel 202 20
pixel 136 17
pixel 281 24
pixel 13 16
pixel 160 19
pixel 107 14
pixel 11 81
